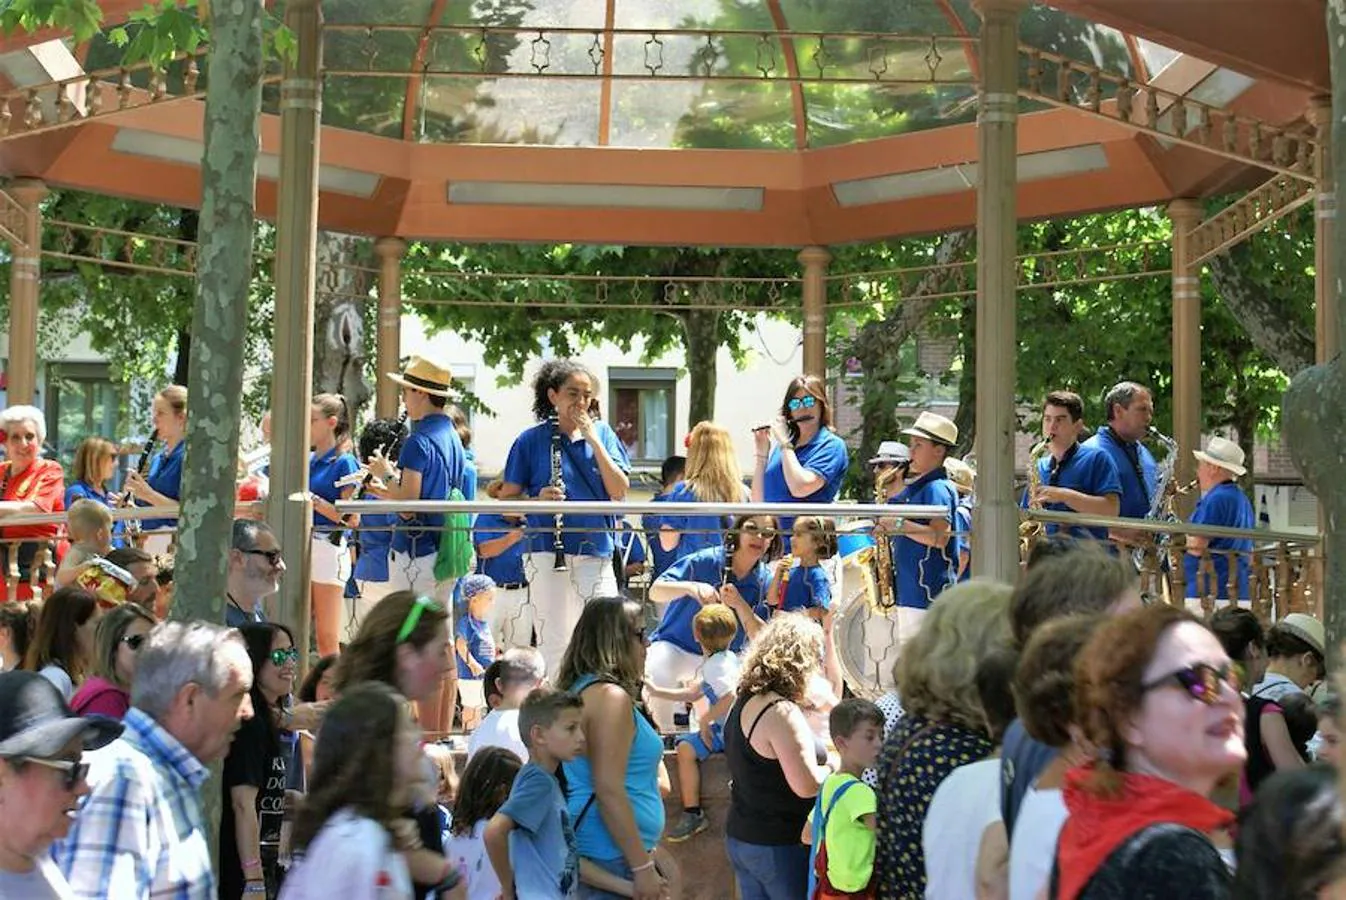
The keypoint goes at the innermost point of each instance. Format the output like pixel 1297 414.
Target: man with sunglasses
pixel 255 568
pixel 41 780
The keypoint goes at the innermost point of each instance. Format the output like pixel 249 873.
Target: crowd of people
pixel 1058 737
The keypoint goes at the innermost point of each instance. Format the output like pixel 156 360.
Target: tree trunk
pixel 966 417
pixel 1278 335
pixel 219 324
pixel 189 229
pixel 339 346
pixel 702 328
pixel 1312 412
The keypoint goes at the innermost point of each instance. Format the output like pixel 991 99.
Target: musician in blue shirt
pixel 1073 477
pixel 964 479
pixel 925 550
pixel 500 543
pixel 593 466
pixel 799 458
pixel 670 473
pixel 374 536
pixel 162 484
pixel 1130 409
pixel 1222 503
pixel 429 467
pixel 674 656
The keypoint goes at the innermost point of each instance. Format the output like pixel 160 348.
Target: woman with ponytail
pixel 329 427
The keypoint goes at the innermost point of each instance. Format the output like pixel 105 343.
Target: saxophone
pixel 1161 501
pixel 883 557
pixel 1029 529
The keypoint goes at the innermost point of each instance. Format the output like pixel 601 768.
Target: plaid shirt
pixel 140 832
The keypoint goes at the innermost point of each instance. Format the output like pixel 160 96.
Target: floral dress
pixel 917 756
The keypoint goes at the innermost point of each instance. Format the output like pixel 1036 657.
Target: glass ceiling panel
pixel 734 116
pixel 1156 56
pixel 526 13
pixel 382 12
pixel 844 114
pixel 509 111
pixel 692 14
pixel 917 17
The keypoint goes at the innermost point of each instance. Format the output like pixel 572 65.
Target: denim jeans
pixel 769 873
pixel 617 867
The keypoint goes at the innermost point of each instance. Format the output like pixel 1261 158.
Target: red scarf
pixel 1099 825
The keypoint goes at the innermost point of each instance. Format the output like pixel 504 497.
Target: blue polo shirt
pixel 1136 493
pixel 165 476
pixel 825 454
pixel 808 588
pixel 696 532
pixel 469 483
pixel 376 538
pixel 433 449
pixel 1228 507
pixel 507 568
pixel 660 558
pixel 529 466
pixel 1089 470
pixel 962 523
pixel 323 473
pixel 480 645
pixel 629 545
pixel 921 573
pixel 707 567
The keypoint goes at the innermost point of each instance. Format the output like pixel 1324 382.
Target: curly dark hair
pixel 387 434
pixel 354 762
pixel 484 787
pixel 553 374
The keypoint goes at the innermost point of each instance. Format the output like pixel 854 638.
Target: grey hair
pixel 246 532
pixel 522 664
pixel 176 654
pixel 1121 395
pixel 15 414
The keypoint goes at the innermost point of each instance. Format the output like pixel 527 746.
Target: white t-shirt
pixel 1033 846
pixel 964 805
pixel 500 728
pixel 468 855
pixel 59 677
pixel 720 671
pixel 352 858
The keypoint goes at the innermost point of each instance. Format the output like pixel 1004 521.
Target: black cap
pixel 35 720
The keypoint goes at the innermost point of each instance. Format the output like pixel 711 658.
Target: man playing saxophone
pixel 924 551
pixel 1073 477
pixel 1130 408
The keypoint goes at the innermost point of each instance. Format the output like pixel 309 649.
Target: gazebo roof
pixel 766 122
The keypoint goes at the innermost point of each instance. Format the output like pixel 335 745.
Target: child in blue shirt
pixel 800 582
pixel 531 840
pixel 715 627
pixel 474 646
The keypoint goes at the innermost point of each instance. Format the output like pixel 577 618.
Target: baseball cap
pixel 36 721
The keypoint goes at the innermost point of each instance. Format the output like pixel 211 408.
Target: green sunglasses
pixel 414 616
pixel 281 657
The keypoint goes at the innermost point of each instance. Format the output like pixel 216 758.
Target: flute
pixel 557 481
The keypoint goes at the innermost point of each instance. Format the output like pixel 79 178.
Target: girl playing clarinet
pixel 162 484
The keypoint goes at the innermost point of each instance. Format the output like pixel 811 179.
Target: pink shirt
pixel 100 697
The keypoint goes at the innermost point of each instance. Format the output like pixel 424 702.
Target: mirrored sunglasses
pixel 806 402
pixel 288 655
pixel 1201 681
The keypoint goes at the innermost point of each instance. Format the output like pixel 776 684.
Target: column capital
pixel 1185 211
pixel 999 7
pixel 815 256
pixel 28 190
pixel 390 247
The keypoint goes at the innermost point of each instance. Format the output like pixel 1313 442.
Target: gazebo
pixel 779 123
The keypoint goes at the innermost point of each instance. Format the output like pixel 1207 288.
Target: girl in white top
pixel 346 835
pixel 483 790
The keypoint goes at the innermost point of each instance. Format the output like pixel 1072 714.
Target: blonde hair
pixel 782 657
pixel 715 627
pixel 87 456
pixel 712 468
pixel 86 516
pixel 175 395
pixel 937 671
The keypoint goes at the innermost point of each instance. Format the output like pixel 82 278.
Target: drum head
pixel 867 638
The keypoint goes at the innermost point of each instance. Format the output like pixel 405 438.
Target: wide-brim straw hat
pixel 1307 629
pixel 961 474
pixel 934 427
pixel 1224 453
pixel 425 375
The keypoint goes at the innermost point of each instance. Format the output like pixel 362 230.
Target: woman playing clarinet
pixel 28 484
pixel 162 484
pixel 568 455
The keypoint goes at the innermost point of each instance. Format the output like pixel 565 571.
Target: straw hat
pixel 424 375
pixel 1307 629
pixel 891 452
pixel 1224 453
pixel 961 474
pixel 934 427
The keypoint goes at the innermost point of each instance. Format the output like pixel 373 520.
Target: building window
pixel 640 410
pixel 81 400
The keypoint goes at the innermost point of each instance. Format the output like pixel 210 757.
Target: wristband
pixel 251 864
pixel 255 887
pixel 648 865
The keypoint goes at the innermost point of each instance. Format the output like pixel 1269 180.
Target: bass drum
pixel 867 636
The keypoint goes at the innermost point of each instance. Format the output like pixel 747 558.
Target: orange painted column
pixel 25 281
pixel 1327 341
pixel 389 333
pixel 1185 215
pixel 815 260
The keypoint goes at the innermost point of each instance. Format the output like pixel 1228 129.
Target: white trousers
pixel 512 619
pixel 417 574
pixel 559 598
pixel 668 666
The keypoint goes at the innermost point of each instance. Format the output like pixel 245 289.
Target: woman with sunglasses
pixel 41 780
pixel 674 656
pixel 255 771
pixel 799 458
pixel 1160 702
pixel 116 639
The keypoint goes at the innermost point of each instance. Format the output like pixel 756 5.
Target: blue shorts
pixel 702 751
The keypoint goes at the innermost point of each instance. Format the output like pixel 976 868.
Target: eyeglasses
pixel 1201 681
pixel 75 771
pixel 272 556
pixel 752 528
pixel 414 616
pixel 288 655
pixel 133 640
pixel 805 402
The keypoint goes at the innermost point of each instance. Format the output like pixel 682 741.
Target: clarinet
pixel 142 469
pixel 390 452
pixel 557 481
pixel 730 545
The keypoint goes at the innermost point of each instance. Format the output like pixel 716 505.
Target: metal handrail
pixel 629 507
pixel 1154 526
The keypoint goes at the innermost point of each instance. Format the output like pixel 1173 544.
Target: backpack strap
pixel 819 836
